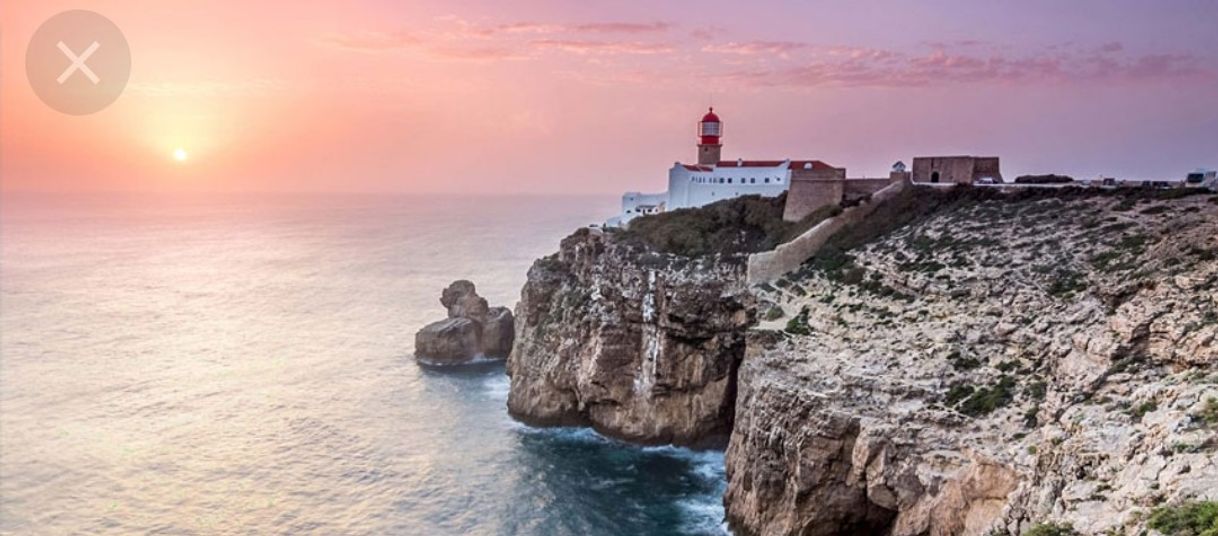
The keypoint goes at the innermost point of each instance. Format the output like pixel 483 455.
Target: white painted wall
pixel 688 188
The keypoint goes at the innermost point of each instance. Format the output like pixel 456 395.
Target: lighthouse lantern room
pixel 710 129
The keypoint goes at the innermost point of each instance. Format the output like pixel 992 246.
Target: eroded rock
pixel 638 344
pixel 472 330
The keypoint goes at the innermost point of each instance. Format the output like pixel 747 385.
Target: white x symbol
pixel 78 62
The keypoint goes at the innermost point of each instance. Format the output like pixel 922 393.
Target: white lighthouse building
pixel 713 179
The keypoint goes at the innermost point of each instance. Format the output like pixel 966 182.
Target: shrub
pixel 1030 419
pixel 746 224
pixel 1209 412
pixel 798 325
pixel 958 393
pixel 1199 518
pixel 1036 390
pixel 1043 179
pixel 1051 529
pixel 959 362
pixel 1065 283
pixel 1140 410
pixel 988 399
pixel 773 313
pixel 1125 205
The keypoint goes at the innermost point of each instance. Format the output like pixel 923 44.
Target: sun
pixel 179 154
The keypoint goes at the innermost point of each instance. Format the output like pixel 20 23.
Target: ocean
pixel 243 365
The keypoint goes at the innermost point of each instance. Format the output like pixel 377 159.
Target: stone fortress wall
pixel 770 265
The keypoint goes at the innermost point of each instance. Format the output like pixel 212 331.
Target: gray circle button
pixel 78 62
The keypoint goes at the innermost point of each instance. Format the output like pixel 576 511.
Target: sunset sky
pixel 598 97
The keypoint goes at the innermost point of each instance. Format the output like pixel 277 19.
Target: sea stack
pixel 473 330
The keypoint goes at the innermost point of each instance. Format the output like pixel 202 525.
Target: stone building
pixel 956 169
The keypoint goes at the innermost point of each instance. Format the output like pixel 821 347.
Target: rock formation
pixel 639 344
pixel 472 329
pixel 998 365
pixel 980 365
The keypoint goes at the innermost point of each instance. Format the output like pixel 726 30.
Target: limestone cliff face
pixel 997 365
pixel 640 345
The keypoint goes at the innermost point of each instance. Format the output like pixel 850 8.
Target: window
pixel 767 180
pixel 729 180
pixel 720 180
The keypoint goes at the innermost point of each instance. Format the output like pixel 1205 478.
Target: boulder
pixel 498 332
pixel 462 301
pixel 449 341
pixel 472 330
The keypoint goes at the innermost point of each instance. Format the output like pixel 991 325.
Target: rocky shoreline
pixel 990 366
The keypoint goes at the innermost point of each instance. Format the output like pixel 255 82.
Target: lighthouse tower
pixel 709 131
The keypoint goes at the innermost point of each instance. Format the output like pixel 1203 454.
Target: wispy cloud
pixel 790 63
pixel 577 28
pixel 512 40
pixel 578 46
pixel 754 48
pixel 959 63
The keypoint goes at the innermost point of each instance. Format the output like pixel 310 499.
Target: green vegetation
pixel 959 362
pixel 798 325
pixel 1007 366
pixel 1030 419
pixel 1128 363
pixel 1125 205
pixel 1051 529
pixel 1036 390
pixel 988 399
pixel 1197 518
pixel 773 313
pixel 741 225
pixel 1209 412
pixel 1140 410
pixel 958 393
pixel 1065 283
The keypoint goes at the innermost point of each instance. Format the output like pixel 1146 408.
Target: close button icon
pixel 78 62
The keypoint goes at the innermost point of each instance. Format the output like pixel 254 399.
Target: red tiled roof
pixel 817 165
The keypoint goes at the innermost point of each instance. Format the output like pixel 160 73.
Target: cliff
pixel 638 343
pixel 987 367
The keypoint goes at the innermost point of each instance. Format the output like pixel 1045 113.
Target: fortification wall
pixel 856 188
pixel 811 190
pixel 770 265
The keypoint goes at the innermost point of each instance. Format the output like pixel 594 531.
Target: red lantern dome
pixel 710 129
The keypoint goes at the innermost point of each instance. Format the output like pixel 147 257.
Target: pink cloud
pixel 578 28
pixel 579 46
pixel 847 66
pixel 753 48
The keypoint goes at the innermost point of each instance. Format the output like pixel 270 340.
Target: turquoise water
pixel 243 365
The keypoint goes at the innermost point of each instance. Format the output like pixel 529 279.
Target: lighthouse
pixel 710 129
pixel 713 179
